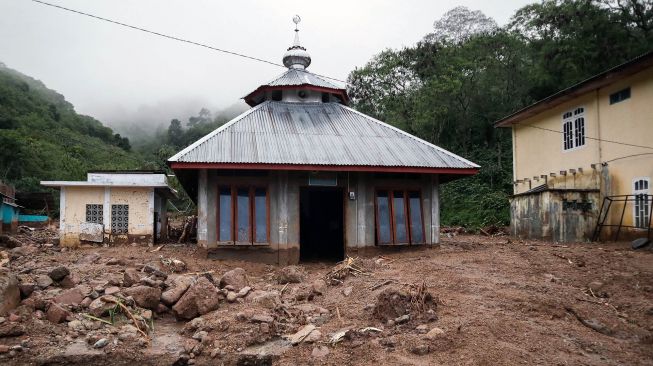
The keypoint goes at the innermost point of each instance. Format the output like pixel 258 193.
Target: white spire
pixel 296 56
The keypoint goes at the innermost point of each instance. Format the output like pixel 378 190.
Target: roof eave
pixel 595 82
pixel 318 167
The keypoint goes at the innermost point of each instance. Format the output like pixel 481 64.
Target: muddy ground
pixel 495 301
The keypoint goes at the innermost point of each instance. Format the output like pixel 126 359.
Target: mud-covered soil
pixel 495 301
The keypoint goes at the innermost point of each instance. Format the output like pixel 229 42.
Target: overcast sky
pixel 116 74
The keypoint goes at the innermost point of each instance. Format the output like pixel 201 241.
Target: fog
pixel 135 81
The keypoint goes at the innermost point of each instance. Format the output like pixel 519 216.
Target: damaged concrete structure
pixel 582 157
pixel 113 207
pixel 301 176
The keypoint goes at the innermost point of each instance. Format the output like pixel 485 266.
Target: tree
pixel 175 133
pixel 459 24
pixel 203 117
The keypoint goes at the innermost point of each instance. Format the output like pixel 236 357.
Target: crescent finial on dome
pixel 296 56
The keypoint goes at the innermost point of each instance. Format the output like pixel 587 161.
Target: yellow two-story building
pixel 584 156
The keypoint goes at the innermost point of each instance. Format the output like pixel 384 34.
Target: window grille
pixel 119 219
pixel 94 213
pixel 573 128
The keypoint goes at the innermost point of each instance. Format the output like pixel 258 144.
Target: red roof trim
pixel 249 97
pixel 342 168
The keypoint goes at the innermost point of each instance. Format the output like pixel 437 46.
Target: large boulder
pixel 9 292
pixel 236 278
pixel 199 299
pixel 144 296
pixel 177 289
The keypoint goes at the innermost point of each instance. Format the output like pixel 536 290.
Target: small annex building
pixel 302 176
pixel 583 159
pixel 9 209
pixel 113 207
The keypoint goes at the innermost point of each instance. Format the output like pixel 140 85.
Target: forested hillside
pixel 43 138
pixel 451 86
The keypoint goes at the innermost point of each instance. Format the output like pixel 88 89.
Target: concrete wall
pixel 539 152
pixel 558 215
pixel 284 191
pixel 73 201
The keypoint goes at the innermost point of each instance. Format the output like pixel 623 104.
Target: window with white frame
pixel 642 206
pixel 573 128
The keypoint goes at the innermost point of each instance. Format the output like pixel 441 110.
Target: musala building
pixel 302 176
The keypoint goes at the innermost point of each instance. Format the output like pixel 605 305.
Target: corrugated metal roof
pixel 301 77
pixel 315 134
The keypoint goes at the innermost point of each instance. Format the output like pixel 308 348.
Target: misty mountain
pixel 43 138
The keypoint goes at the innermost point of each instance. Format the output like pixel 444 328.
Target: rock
pixel 319 287
pixel 320 351
pixel 434 333
pixel 314 336
pixel 56 314
pixel 127 332
pixel 43 281
pixel 231 296
pixel 236 278
pixel 86 302
pixel 111 290
pixel 402 319
pixel 243 291
pixel 199 335
pixel 73 296
pixel 101 343
pixel 290 274
pixel 144 296
pixel 130 277
pixel 18 252
pixel 262 318
pixel 98 307
pixel 267 299
pixel 264 354
pixel 301 334
pixel 199 299
pixel 76 325
pixel 422 329
pixel 161 309
pixel 88 259
pixel 26 289
pixel 58 273
pixel 67 282
pixel 420 349
pixel 153 269
pixel 4 348
pixel 9 292
pixel 115 261
pixel 347 290
pixel 179 286
pixel 9 242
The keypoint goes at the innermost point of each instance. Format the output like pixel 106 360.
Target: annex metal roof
pixel 328 134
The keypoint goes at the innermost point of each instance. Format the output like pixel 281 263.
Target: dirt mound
pixel 395 304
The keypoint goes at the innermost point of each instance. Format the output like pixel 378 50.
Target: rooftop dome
pixel 296 56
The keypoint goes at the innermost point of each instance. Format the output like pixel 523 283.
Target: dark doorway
pixel 321 224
